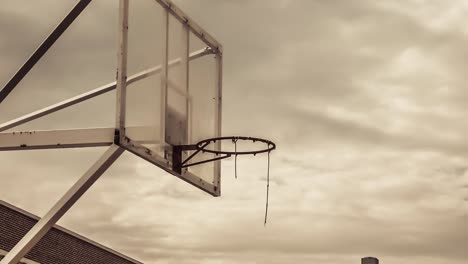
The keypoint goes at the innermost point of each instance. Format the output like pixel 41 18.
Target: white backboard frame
pixel 164 161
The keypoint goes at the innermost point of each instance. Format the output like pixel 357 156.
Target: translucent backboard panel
pixel 143 98
pixel 178 95
pixel 203 110
pixel 173 90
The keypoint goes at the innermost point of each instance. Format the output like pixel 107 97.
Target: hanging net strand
pixel 235 157
pixel 268 189
pixel 201 146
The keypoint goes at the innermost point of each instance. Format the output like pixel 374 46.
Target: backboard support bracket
pixel 177 153
pixel 117 136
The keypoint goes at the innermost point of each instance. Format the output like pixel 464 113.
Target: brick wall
pixel 58 246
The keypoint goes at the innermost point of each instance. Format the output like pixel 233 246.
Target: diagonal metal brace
pixel 193 154
pixel 178 164
pixel 43 48
pixel 62 206
pixel 205 161
pixel 93 93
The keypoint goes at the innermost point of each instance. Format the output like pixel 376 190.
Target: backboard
pixel 169 88
pixel 168 107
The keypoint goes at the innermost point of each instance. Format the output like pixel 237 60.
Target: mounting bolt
pixel 117 137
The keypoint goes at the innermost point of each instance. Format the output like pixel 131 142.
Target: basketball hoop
pixel 203 146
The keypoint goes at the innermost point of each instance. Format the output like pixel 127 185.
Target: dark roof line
pixel 69 232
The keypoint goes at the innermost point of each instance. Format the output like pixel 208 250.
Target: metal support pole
pixel 62 206
pixel 43 48
pixel 122 70
pixel 164 74
pixel 185 54
pixel 218 120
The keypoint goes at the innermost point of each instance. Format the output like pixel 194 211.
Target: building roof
pixel 23 261
pixel 58 246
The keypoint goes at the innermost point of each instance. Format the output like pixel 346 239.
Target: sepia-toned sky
pixel 365 99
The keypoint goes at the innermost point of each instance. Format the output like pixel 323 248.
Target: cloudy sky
pixel 365 100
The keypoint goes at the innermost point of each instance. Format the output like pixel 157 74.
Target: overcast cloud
pixel 365 99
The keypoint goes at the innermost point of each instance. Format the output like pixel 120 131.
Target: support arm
pixel 62 206
pixel 93 93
